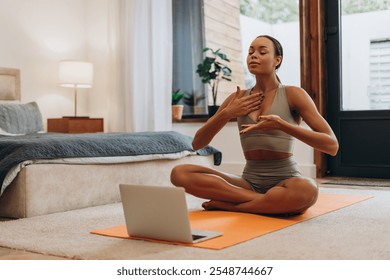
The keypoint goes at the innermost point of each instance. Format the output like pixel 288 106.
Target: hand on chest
pixel 265 108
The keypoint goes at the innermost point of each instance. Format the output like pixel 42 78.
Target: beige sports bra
pixel 272 140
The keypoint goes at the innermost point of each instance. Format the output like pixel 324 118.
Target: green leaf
pixel 177 95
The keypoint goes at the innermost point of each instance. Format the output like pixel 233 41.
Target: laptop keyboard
pixel 196 237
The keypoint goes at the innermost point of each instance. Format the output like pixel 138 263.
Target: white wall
pixel 36 35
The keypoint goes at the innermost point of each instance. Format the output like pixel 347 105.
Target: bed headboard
pixel 9 84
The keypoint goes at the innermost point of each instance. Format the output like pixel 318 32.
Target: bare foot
pixel 210 205
pixel 219 205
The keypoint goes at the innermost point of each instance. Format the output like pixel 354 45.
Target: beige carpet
pixel 359 231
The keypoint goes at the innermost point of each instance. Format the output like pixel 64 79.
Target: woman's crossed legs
pixel 233 193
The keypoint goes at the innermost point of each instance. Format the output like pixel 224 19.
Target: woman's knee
pixel 303 184
pixel 309 187
pixel 176 174
pixel 180 174
pixel 305 191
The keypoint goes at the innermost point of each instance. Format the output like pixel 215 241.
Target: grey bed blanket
pixel 16 149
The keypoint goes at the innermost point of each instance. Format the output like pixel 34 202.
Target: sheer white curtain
pixel 141 44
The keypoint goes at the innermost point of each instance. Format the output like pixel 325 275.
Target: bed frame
pixel 41 189
pixel 9 84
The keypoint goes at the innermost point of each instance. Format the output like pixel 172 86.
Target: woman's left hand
pixel 265 122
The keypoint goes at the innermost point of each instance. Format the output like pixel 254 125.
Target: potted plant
pixel 177 109
pixel 212 70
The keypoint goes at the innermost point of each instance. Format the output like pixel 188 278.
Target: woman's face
pixel 261 57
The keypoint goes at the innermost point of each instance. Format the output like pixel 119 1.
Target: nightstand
pixel 75 125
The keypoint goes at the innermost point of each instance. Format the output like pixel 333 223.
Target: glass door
pixel 358 85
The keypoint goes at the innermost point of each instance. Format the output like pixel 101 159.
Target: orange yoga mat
pixel 240 227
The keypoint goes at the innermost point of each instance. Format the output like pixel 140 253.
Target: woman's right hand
pixel 240 105
pixel 236 105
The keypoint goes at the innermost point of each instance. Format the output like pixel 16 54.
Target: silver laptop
pixel 159 213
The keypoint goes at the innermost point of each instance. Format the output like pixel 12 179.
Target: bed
pixel 42 173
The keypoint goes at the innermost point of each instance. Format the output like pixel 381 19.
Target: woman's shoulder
pixel 293 89
pixel 295 92
pixel 298 98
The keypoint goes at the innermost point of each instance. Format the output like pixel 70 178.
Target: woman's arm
pixel 234 106
pixel 320 137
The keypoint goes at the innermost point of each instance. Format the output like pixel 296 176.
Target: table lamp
pixel 75 74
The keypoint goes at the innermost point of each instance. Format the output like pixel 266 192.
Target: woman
pixel 268 117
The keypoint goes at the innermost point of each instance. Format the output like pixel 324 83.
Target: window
pixel 365 55
pixel 188 42
pixel 379 88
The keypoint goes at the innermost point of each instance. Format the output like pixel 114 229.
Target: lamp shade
pixel 76 74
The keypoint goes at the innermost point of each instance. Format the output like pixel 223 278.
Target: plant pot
pixel 212 110
pixel 177 112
